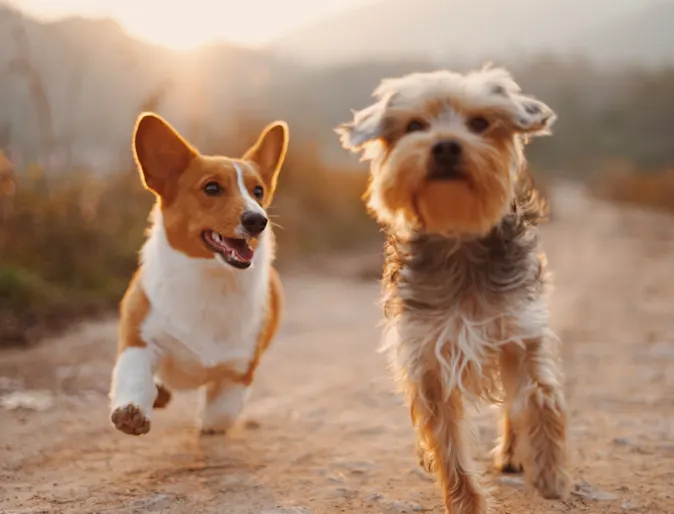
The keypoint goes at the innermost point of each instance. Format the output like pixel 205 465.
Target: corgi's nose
pixel 253 222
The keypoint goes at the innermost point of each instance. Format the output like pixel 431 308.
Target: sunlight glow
pixel 184 25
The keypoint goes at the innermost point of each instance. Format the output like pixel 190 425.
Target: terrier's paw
pixel 469 502
pixel 504 462
pixel 130 420
pixel 425 459
pixel 552 483
pixel 509 468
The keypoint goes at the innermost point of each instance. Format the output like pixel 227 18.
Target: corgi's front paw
pixel 130 419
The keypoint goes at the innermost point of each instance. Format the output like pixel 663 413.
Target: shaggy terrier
pixel 465 286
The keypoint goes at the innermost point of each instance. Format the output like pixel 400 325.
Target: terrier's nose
pixel 253 222
pixel 447 153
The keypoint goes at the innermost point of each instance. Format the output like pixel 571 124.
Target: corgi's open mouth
pixel 235 252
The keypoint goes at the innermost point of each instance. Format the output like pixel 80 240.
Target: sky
pixel 183 24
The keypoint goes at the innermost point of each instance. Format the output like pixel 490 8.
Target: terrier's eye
pixel 258 192
pixel 478 124
pixel 213 189
pixel 415 126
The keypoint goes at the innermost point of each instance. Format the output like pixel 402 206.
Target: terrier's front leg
pixel 539 420
pixel 505 459
pixel 438 419
pixel 133 390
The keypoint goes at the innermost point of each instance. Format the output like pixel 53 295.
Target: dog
pixel 205 301
pixel 465 284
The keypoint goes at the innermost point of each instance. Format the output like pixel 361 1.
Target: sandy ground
pixel 325 431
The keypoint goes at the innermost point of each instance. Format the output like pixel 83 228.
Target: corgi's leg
pixel 133 390
pixel 221 404
pixel 222 401
pixel 163 396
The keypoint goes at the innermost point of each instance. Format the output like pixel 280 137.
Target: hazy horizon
pixel 72 89
pixel 226 21
pixel 231 22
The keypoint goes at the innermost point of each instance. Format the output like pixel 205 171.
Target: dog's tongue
pixel 242 249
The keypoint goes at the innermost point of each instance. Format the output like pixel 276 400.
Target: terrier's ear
pixel 531 116
pixel 366 126
pixel 521 113
pixel 160 152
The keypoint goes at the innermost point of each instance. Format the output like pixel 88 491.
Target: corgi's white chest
pixel 203 314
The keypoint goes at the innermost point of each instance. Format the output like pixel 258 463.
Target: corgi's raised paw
pixel 130 419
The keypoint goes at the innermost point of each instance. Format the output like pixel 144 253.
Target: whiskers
pixel 274 223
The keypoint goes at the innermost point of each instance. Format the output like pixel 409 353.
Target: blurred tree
pixel 22 65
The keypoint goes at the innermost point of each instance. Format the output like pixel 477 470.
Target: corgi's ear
pixel 161 153
pixel 269 152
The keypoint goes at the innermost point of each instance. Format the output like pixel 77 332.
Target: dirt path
pixel 325 432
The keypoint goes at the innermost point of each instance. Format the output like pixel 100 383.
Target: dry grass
pixel 69 243
pixel 621 181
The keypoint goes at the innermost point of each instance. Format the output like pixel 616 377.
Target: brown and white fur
pixel 205 301
pixel 464 281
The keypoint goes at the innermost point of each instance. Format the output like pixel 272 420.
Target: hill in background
pixel 462 30
pixel 72 88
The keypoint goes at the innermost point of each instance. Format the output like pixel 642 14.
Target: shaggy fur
pixel 465 290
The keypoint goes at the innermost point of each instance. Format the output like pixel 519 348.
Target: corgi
pixel 206 301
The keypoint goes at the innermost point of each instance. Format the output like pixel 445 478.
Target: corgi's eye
pixel 213 189
pixel 258 192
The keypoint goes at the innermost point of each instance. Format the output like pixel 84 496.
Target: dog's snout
pixel 446 160
pixel 253 222
pixel 447 152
